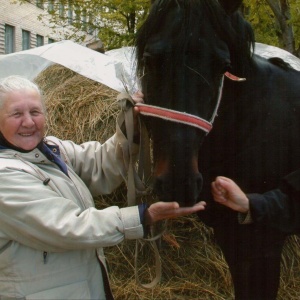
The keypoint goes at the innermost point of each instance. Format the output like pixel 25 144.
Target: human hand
pixel 169 210
pixel 226 192
pixel 137 97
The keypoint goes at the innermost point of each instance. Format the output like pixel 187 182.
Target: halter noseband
pixel 175 116
pixel 185 118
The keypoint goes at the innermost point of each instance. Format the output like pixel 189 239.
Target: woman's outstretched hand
pixel 170 210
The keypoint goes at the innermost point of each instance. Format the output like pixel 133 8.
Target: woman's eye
pixel 35 112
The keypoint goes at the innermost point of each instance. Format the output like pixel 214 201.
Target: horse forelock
pixel 233 28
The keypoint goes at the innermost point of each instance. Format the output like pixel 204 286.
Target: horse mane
pixel 233 29
pixel 279 62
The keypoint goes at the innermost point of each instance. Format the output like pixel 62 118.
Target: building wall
pixel 2 35
pixel 25 17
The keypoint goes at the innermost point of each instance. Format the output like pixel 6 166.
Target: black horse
pixel 184 48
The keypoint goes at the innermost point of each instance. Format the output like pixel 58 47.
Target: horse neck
pixel 250 141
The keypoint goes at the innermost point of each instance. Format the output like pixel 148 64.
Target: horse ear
pixel 230 6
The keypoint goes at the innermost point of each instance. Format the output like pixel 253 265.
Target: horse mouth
pixel 185 191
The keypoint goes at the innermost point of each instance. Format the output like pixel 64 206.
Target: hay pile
pixel 78 108
pixel 193 266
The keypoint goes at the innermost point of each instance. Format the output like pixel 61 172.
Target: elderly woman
pixel 51 235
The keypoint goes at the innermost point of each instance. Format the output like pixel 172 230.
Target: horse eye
pixel 227 67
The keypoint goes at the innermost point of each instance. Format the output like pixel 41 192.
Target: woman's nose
pixel 27 121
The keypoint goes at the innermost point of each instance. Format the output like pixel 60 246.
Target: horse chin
pixel 185 191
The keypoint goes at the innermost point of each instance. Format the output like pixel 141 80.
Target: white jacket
pixel 50 230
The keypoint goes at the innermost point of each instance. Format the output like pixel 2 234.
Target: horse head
pixel 183 50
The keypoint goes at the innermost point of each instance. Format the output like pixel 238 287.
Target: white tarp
pixel 89 63
pixel 115 68
pixel 271 51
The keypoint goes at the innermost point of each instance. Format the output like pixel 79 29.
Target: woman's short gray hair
pixel 16 83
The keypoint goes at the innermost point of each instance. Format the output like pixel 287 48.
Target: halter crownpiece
pixel 185 118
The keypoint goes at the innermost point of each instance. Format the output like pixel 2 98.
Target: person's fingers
pixel 226 192
pixel 138 97
pixel 169 210
pixel 174 206
pixel 218 192
pixel 223 183
pixel 160 205
pixel 190 210
pixel 228 186
pixel 136 111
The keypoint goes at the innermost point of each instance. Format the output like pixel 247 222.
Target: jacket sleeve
pixel 36 216
pixel 280 207
pixel 102 167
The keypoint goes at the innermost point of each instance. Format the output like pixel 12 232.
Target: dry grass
pixel 78 108
pixel 193 265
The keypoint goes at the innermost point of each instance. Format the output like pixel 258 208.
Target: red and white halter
pixel 185 118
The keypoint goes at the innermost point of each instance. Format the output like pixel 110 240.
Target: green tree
pixel 275 22
pixel 113 21
pixel 120 20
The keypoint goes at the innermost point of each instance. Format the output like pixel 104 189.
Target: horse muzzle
pixel 181 187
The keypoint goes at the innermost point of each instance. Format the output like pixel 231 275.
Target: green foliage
pixel 113 21
pixel 262 19
pixel 120 20
pixel 266 25
pixel 295 21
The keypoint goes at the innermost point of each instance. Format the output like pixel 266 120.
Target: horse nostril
pixel 163 189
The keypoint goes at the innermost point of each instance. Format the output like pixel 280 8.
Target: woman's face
pixel 22 119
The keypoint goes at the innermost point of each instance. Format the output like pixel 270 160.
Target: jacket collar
pixel 50 151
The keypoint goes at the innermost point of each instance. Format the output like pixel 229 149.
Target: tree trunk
pixel 281 10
